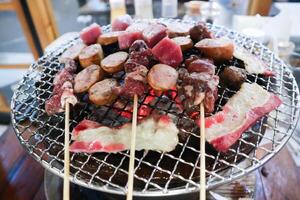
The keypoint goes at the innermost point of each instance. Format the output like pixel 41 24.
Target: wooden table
pixel 21 177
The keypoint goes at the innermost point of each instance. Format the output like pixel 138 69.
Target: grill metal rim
pixel 189 187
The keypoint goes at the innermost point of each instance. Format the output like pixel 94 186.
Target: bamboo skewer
pixel 66 192
pixel 132 149
pixel 202 157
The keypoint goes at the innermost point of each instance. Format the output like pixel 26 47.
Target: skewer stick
pixel 132 149
pixel 66 193
pixel 202 158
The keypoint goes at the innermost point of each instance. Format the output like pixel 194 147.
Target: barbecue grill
pixel 156 174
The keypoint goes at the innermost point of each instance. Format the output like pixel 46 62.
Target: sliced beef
pixel 201 65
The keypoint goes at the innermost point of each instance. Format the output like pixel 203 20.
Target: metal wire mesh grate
pixel 171 173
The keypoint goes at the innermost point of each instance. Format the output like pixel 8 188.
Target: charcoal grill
pixel 156 174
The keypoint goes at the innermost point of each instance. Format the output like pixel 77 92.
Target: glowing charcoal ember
pixel 150 133
pixel 127 38
pixel 241 111
pixel 90 34
pixel 168 52
pixel 121 23
pixel 154 33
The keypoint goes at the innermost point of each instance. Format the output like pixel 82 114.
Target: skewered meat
pixel 177 29
pixel 135 83
pixel 114 62
pixel 198 87
pixel 60 78
pixel 185 43
pixel 62 92
pixel 90 55
pixel 140 54
pixel 127 38
pixel 87 77
pixel 201 65
pixel 233 77
pixel 90 34
pixel 159 134
pixel 67 95
pixel 101 93
pixel 73 52
pixel 219 49
pixel 109 38
pixel 241 111
pixel 168 52
pixel 70 65
pixel 200 32
pixel 253 65
pixel 153 33
pixel 121 23
pixel 162 77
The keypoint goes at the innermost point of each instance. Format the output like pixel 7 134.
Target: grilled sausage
pixel 101 93
pixel 219 49
pixel 177 29
pixel 162 77
pixel 185 43
pixel 114 62
pixel 73 52
pixel 87 77
pixel 233 77
pixel 109 38
pixel 92 54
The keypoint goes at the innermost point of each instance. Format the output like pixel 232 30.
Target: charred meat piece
pixel 121 23
pixel 155 133
pixel 218 49
pixel 153 33
pixel 73 52
pixel 87 77
pixel 67 94
pixel 200 32
pixel 114 62
pixel 162 77
pixel 90 55
pixel 198 87
pixel 168 52
pixel 185 43
pixel 241 111
pixel 60 78
pixel 233 77
pixel 70 65
pixel 127 38
pixel 140 54
pixel 109 38
pixel 201 65
pixel 90 34
pixel 101 93
pixel 135 83
pixel 195 57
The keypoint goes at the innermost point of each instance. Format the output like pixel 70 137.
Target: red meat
pixel 89 35
pixel 168 52
pixel 154 33
pixel 127 38
pixel 121 23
